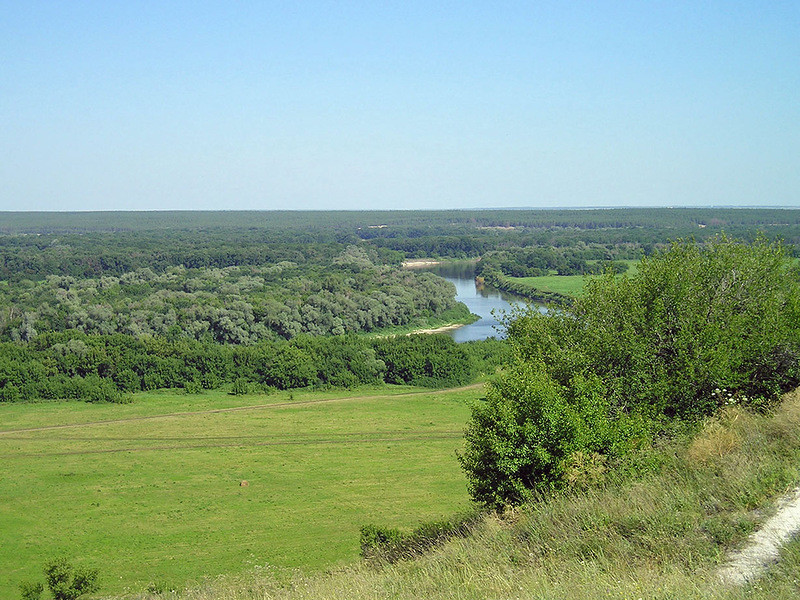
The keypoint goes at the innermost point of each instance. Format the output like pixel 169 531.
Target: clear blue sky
pixel 328 105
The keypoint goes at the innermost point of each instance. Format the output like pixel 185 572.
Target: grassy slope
pixel 569 285
pixel 154 494
pixel 660 537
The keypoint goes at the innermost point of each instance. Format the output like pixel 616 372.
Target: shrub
pixel 64 581
pixel 429 360
pixel 391 545
pixel 31 591
pixel 193 387
pixel 240 387
pixel 631 355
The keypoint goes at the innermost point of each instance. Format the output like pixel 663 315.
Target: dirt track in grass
pixel 289 404
pixel 763 547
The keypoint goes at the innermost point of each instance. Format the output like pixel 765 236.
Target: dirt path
pixel 763 547
pixel 288 404
pixel 248 442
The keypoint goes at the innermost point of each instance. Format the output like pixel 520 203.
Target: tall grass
pixel 661 534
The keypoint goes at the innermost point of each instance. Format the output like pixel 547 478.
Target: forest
pixel 98 305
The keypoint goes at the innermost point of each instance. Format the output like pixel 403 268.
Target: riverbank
pixel 420 263
pixel 443 329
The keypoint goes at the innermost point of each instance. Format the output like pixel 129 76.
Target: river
pixel 480 301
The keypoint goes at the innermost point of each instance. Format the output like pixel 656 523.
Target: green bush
pixel 630 356
pixel 521 441
pixel 64 581
pixel 240 387
pixel 427 360
pixel 31 591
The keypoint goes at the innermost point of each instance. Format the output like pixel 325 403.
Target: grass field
pixel 569 285
pixel 150 491
pixel 659 536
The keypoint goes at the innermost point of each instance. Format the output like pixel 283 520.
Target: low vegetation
pixel 695 328
pixel 661 536
pixel 153 492
pixel 64 581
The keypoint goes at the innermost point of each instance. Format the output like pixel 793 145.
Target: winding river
pixel 480 301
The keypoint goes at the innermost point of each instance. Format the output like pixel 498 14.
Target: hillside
pixel 661 536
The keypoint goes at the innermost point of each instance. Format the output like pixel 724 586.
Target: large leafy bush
pixel 630 355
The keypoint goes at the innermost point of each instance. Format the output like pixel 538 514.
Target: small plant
pixel 31 591
pixel 193 386
pixel 240 387
pixel 391 545
pixel 583 470
pixel 64 581
pixel 717 439
pixel 158 588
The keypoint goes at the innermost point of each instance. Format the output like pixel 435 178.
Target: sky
pixel 398 105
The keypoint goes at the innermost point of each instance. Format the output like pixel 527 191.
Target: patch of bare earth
pixel 763 547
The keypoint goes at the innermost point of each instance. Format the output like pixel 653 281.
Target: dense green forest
pixel 99 304
pixel 75 365
pixel 34 245
pixel 343 293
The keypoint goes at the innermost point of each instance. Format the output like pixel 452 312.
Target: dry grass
pixel 719 438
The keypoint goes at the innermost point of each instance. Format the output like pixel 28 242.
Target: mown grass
pixel 569 285
pixel 661 535
pixel 150 491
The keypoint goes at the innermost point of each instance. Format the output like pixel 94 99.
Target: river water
pixel 480 301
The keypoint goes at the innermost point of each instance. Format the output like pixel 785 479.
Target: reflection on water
pixel 480 301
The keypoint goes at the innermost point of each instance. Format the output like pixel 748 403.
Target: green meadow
pixel 153 491
pixel 569 285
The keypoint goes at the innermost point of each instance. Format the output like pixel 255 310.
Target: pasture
pixel 151 491
pixel 569 285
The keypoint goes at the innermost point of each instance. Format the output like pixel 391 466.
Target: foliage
pixel 64 581
pixel 31 591
pixel 348 291
pixel 240 387
pixel 631 354
pixel 429 360
pixel 108 368
pixel 522 440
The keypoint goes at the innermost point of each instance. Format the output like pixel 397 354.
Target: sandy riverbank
pixel 418 263
pixel 443 329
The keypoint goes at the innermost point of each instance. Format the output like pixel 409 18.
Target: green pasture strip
pixel 160 499
pixel 570 285
pixel 166 402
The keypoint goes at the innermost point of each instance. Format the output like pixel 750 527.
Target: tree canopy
pixel 698 326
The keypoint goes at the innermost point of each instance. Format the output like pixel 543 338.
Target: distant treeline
pixel 75 365
pixel 34 245
pixel 382 222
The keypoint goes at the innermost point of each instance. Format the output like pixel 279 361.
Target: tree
pixel 632 354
